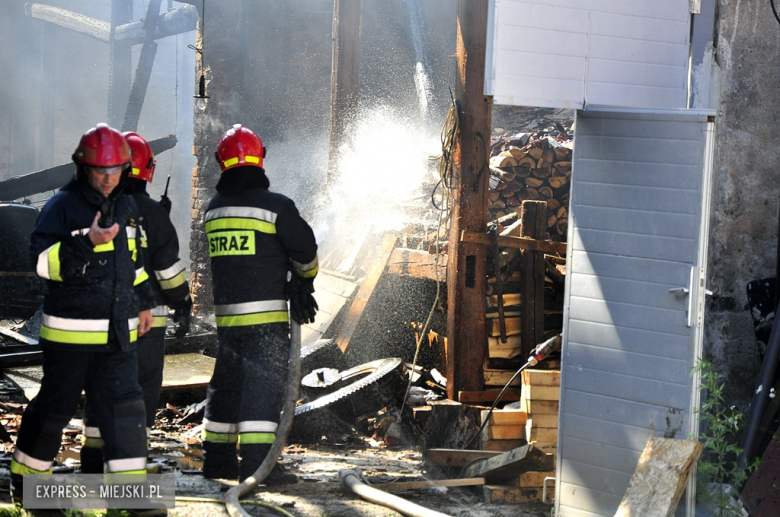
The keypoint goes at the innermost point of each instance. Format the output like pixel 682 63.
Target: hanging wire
pixel 448 132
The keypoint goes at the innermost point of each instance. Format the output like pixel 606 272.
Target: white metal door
pixel 573 53
pixel 633 310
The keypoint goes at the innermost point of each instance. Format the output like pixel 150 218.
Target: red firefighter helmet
pixel 102 146
pixel 240 146
pixel 143 157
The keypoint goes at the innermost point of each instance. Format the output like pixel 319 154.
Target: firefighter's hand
pixel 100 235
pixel 303 306
pixel 145 319
pixel 165 202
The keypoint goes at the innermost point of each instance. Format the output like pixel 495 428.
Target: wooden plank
pixel 534 479
pixel 456 457
pixel 541 434
pixel 184 371
pixel 416 263
pixel 421 485
pixel 467 262
pixel 363 295
pixel 487 396
pixel 15 335
pixel 660 477
pixel 539 407
pixel 510 464
pixel 542 420
pixel 513 327
pixel 547 447
pixel 503 432
pixel 534 217
pixel 541 377
pixel 541 392
pixel 502 445
pixel 523 243
pixel 506 417
pixel 500 378
pixel 498 494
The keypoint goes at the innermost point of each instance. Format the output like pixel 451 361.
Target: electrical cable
pixel 774 11
pixel 448 132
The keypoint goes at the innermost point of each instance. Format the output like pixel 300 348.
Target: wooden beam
pixel 347 19
pixel 456 457
pixel 416 263
pixel 660 477
pixel 97 29
pixel 523 243
pixel 466 273
pixel 120 65
pixel 511 464
pixel 421 485
pixel 143 71
pixel 15 335
pixel 533 215
pixel 487 396
pixel 363 295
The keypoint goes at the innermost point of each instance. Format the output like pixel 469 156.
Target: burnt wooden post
pixel 466 271
pixel 119 63
pixel 347 17
pixel 143 71
pixel 533 215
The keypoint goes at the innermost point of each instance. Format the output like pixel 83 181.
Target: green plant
pixel 722 427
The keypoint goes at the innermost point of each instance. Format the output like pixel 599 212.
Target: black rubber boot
pixel 220 461
pixel 279 476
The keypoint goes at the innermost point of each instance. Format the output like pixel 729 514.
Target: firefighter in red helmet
pixel 168 279
pixel 255 238
pixel 86 245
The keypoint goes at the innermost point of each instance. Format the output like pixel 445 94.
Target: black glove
pixel 165 202
pixel 303 306
pixel 182 315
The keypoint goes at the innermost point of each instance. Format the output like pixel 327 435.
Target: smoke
pixel 379 178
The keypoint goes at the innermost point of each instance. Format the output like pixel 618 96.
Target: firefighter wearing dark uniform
pixel 255 237
pixel 160 249
pixel 86 244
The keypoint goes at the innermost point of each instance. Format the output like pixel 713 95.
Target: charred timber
pixel 177 21
pixel 56 177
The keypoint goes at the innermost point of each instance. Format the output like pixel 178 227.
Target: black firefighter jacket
pixel 160 247
pixel 93 293
pixel 254 237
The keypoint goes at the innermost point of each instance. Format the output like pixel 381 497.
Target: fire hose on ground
pixel 291 395
pixel 351 480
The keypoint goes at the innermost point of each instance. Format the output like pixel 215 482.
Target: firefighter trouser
pixel 110 382
pixel 150 351
pixel 244 398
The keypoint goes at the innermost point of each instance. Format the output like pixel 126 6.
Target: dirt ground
pixel 318 492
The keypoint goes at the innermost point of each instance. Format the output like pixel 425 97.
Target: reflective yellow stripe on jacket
pixel 251 313
pixel 76 331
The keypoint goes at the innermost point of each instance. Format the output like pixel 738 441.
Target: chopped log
pixel 513 202
pixel 562 154
pixel 557 182
pixel 493 195
pixel 562 227
pixel 498 203
pixel 511 464
pixel 660 477
pixel 562 213
pixel 542 172
pixel 553 204
pixel 517 154
pixel 533 182
pixel 551 220
pixel 455 457
pixel 528 161
pixel 545 193
pixel 563 167
pixel 502 161
pixel 535 153
pixel 501 185
pixel 522 171
pixel 450 426
pixel 547 158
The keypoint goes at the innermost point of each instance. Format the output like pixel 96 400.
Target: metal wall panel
pixel 639 193
pixel 570 53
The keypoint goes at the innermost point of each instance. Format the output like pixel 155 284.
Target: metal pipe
pixel 350 480
pixel 291 395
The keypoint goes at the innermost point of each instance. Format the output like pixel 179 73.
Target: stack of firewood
pixel 539 170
